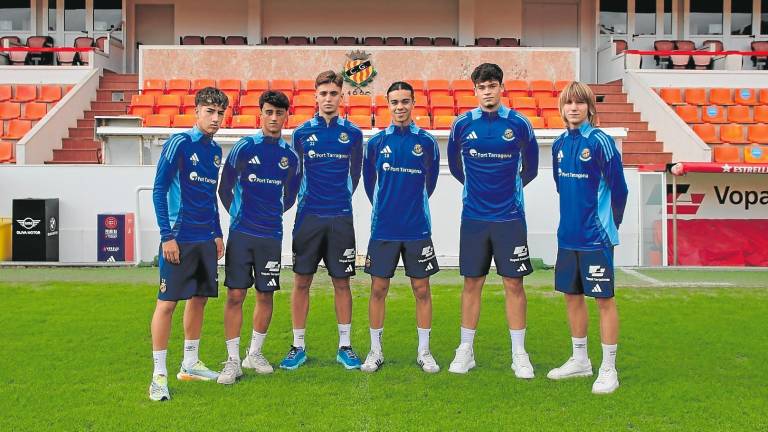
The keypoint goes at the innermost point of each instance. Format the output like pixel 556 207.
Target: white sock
pixel 580 348
pixel 376 339
pixel 609 357
pixel 298 338
pixel 423 338
pixel 191 356
pixel 233 348
pixel 257 340
pixel 468 336
pixel 518 341
pixel 344 330
pixel 158 357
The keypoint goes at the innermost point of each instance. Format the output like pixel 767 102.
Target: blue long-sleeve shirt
pixel 400 169
pixel 330 156
pixel 259 183
pixel 593 192
pixel 493 154
pixel 184 193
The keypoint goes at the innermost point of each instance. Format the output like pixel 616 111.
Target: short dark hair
pixel 487 72
pixel 400 85
pixel 211 96
pixel 275 98
pixel 329 77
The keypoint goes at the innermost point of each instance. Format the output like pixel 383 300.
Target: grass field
pixel 77 356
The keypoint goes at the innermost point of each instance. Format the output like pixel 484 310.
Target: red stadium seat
pixel 9 110
pixel 34 110
pixel 179 87
pixel 361 121
pixel 49 93
pixel 154 87
pixel 25 93
pixel 157 120
pixel 726 154
pixel 16 129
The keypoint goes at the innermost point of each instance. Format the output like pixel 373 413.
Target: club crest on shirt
pixel 417 150
pixel 283 163
pixel 585 155
pixel 216 161
pixel 509 135
pixel 343 138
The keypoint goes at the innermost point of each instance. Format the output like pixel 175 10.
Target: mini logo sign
pixel 417 150
pixel 284 162
pixel 509 135
pixel 343 138
pixel 28 223
pixel 585 155
pixel 358 70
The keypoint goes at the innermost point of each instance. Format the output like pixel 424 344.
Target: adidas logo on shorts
pixel 429 267
pixel 349 269
pixel 522 268
pixel 597 289
pixel 272 283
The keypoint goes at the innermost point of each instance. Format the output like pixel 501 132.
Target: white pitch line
pixel 642 277
pixel 656 282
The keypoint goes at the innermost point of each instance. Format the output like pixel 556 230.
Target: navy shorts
pixel 418 257
pixel 331 239
pixel 506 242
pixel 252 261
pixel 196 274
pixel 585 272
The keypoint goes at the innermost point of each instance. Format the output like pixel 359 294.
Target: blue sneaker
pixel 295 358
pixel 348 358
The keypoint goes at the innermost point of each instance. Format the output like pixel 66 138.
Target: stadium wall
pixel 85 191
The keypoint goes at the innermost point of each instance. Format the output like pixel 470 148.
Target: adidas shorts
pixel 418 257
pixel 252 261
pixel 196 274
pixel 585 272
pixel 506 242
pixel 331 239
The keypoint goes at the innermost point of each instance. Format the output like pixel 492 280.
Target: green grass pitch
pixel 77 356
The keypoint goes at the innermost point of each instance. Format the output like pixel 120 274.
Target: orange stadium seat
pixel 25 93
pixel 245 122
pixel 361 121
pixel 763 96
pixel 757 134
pixel 418 86
pixel 505 101
pixel 157 120
pixel 555 122
pixel 761 114
pixel 523 102
pixel 33 110
pixel 560 85
pixel 537 122
pixel 756 154
pixel 745 96
pixel 542 87
pixel 688 113
pixel 202 83
pixel 233 97
pixel 9 110
pixel 305 88
pixel 420 107
pixel 438 87
pixel 6 91
pixel 732 133
pixel 228 114
pixel 169 105
pixel 462 88
pixel 49 93
pixel 178 86
pixel 188 104
pixel 548 106
pixel 257 86
pixel 295 121
pixel 672 96
pixel 720 96
pixel 304 105
pixel 183 121
pixel 423 122
pixel 713 114
pixel 695 96
pixel 142 105
pixel 442 105
pixel 249 104
pixel 726 154
pixel 515 88
pixel 154 87
pixel 16 129
pixel 383 120
pixel 283 85
pixel 707 133
pixel 229 85
pixel 740 114
pixel 443 122
pixel 359 105
pixel 6 151
pixel 465 103
pixel 382 105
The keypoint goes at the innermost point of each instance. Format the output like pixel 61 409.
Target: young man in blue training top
pixel 400 169
pixel 258 184
pixel 330 149
pixel 188 216
pixel 493 152
pixel 593 193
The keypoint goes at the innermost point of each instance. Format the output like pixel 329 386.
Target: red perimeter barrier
pixel 682 168
pixel 48 49
pixel 711 53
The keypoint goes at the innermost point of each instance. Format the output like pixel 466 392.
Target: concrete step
pixel 109 106
pixel 631 125
pixel 79 132
pixel 118 85
pixel 125 78
pixel 80 144
pixel 89 115
pixel 76 156
pixel 619 117
pixel 642 147
pixel 86 123
pixel 614 98
pixel 106 95
pixel 603 107
pixel 641 135
pixel 605 89
pixel 634 159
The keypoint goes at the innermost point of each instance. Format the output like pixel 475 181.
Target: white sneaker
pixel 373 361
pixel 571 369
pixel 522 366
pixel 258 363
pixel 464 360
pixel 607 381
pixel 158 389
pixel 231 372
pixel 427 362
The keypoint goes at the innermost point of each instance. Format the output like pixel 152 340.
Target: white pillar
pixel 466 36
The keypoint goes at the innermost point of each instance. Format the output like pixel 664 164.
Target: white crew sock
pixel 233 348
pixel 423 339
pixel 191 349
pixel 609 357
pixel 158 357
pixel 257 340
pixel 376 339
pixel 344 330
pixel 580 348
pixel 518 341
pixel 468 336
pixel 298 338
